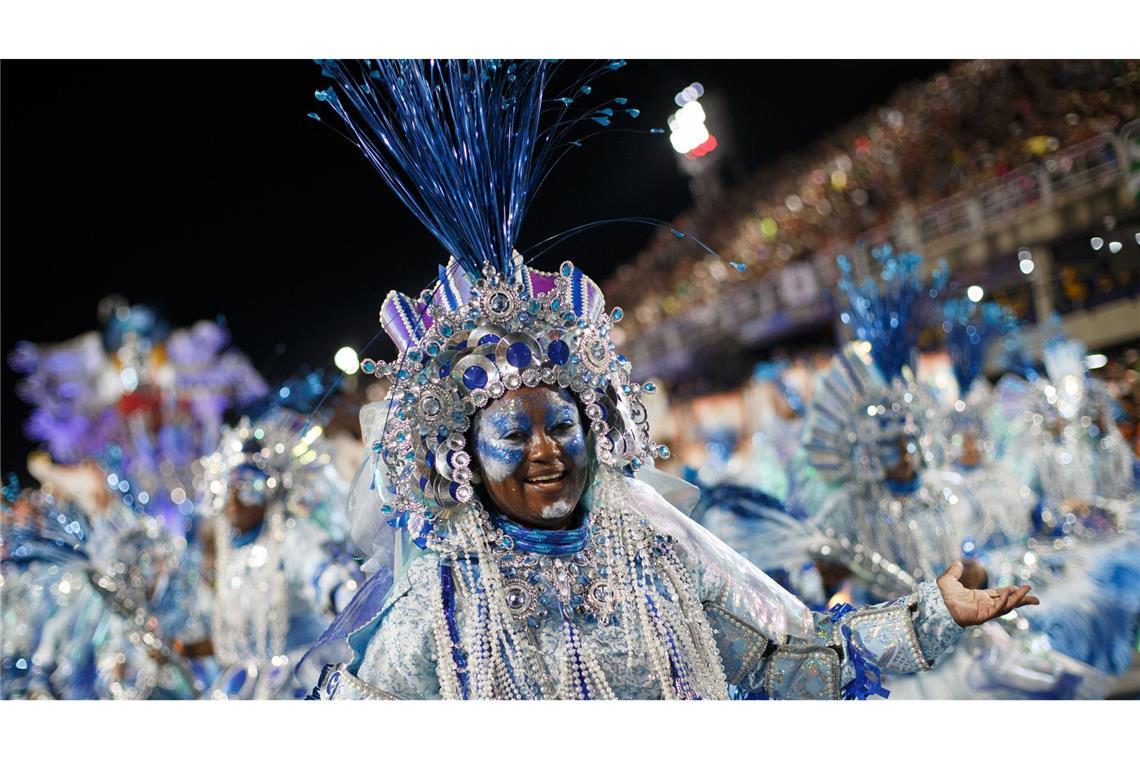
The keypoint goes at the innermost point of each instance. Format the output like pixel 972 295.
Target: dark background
pixel 202 188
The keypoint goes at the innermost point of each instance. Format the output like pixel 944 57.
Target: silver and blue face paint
pixel 530 447
pixel 501 435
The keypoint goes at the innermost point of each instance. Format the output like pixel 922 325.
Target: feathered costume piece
pixel 103 595
pixel 141 401
pixel 966 418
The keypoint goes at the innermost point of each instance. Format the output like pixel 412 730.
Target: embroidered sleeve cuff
pixel 885 637
pixel 936 629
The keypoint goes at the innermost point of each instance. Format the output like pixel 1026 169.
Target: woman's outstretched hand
pixel 976 606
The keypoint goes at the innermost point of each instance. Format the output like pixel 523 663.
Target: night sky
pixel 203 189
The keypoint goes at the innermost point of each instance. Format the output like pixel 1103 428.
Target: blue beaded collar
pixel 246 538
pixel 550 542
pixel 904 487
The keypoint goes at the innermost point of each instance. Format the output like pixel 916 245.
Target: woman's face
pixel 530 450
pixel 902 460
pixel 971 455
pixel 247 499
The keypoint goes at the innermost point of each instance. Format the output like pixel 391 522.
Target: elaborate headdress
pixel 970 330
pixel 464 145
pixel 279 455
pixel 868 397
pixel 143 402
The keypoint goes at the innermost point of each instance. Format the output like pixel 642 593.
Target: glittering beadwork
pixel 456 358
pixel 628 576
pixel 885 635
pixel 807 672
pixel 338 683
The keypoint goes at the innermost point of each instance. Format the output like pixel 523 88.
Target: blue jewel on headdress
pixel 489 339
pixel 519 355
pixel 475 377
pixel 558 352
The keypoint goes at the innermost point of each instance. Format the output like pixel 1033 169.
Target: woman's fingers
pixel 1000 601
pixel 955 569
pixel 1015 598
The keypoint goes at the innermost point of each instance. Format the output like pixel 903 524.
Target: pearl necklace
pixel 618 571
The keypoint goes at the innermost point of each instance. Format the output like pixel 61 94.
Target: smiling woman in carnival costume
pixel 274 554
pixel 534 558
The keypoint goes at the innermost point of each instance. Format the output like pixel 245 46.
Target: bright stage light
pixel 1026 266
pixel 1096 243
pixel 1096 361
pixel 975 293
pixel 1114 247
pixel 688 133
pixel 346 361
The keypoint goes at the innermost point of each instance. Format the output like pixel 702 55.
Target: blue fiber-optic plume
pixel 301 393
pixel 1018 358
pixel 970 330
pixel 465 144
pixel 888 310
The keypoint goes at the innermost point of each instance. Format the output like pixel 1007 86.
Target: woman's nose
pixel 543 447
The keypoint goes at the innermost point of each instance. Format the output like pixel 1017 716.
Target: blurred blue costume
pixel 143 402
pixel 277 585
pixel 99 598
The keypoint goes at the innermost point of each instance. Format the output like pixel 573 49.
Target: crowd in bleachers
pixel 951 133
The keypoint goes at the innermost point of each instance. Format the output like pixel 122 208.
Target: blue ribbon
pixel 868 679
pixel 839 611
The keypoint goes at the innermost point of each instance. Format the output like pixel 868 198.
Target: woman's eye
pixel 562 427
pixel 515 435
